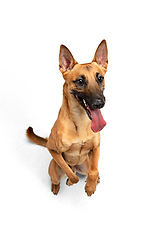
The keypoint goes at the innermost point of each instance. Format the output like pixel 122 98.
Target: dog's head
pixel 86 81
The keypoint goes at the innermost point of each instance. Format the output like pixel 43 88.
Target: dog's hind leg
pixel 56 174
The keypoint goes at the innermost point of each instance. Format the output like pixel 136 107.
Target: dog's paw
pixel 91 183
pixel 90 187
pixel 68 182
pixel 72 181
pixel 55 188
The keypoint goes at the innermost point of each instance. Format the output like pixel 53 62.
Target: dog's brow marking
pixel 88 67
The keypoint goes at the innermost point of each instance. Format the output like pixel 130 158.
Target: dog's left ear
pixel 66 60
pixel 101 55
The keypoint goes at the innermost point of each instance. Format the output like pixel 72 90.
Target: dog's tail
pixel 34 138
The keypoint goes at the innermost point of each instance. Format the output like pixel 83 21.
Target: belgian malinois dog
pixel 75 137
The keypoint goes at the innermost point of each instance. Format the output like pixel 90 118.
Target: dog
pixel 75 137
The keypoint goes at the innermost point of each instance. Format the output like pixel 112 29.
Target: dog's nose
pixel 98 103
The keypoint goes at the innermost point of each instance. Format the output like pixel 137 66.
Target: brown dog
pixel 74 140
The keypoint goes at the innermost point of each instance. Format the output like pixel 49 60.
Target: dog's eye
pixel 99 78
pixel 81 82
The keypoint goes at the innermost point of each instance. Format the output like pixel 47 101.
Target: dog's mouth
pixel 84 105
pixel 95 115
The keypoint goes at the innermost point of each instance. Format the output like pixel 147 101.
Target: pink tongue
pixel 98 123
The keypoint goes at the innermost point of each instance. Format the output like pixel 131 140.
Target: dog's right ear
pixel 66 60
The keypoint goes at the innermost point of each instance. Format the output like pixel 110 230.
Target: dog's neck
pixel 76 113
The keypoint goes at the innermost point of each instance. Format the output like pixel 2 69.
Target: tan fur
pixel 72 144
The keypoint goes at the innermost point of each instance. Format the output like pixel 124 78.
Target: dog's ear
pixel 101 55
pixel 66 60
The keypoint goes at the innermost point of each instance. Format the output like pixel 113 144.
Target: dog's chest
pixel 78 151
pixel 81 147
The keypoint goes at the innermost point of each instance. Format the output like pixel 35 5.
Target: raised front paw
pixel 72 181
pixel 68 182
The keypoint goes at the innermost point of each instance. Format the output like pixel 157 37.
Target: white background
pixel 126 204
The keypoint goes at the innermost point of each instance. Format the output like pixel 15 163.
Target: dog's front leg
pixel 93 174
pixel 73 178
